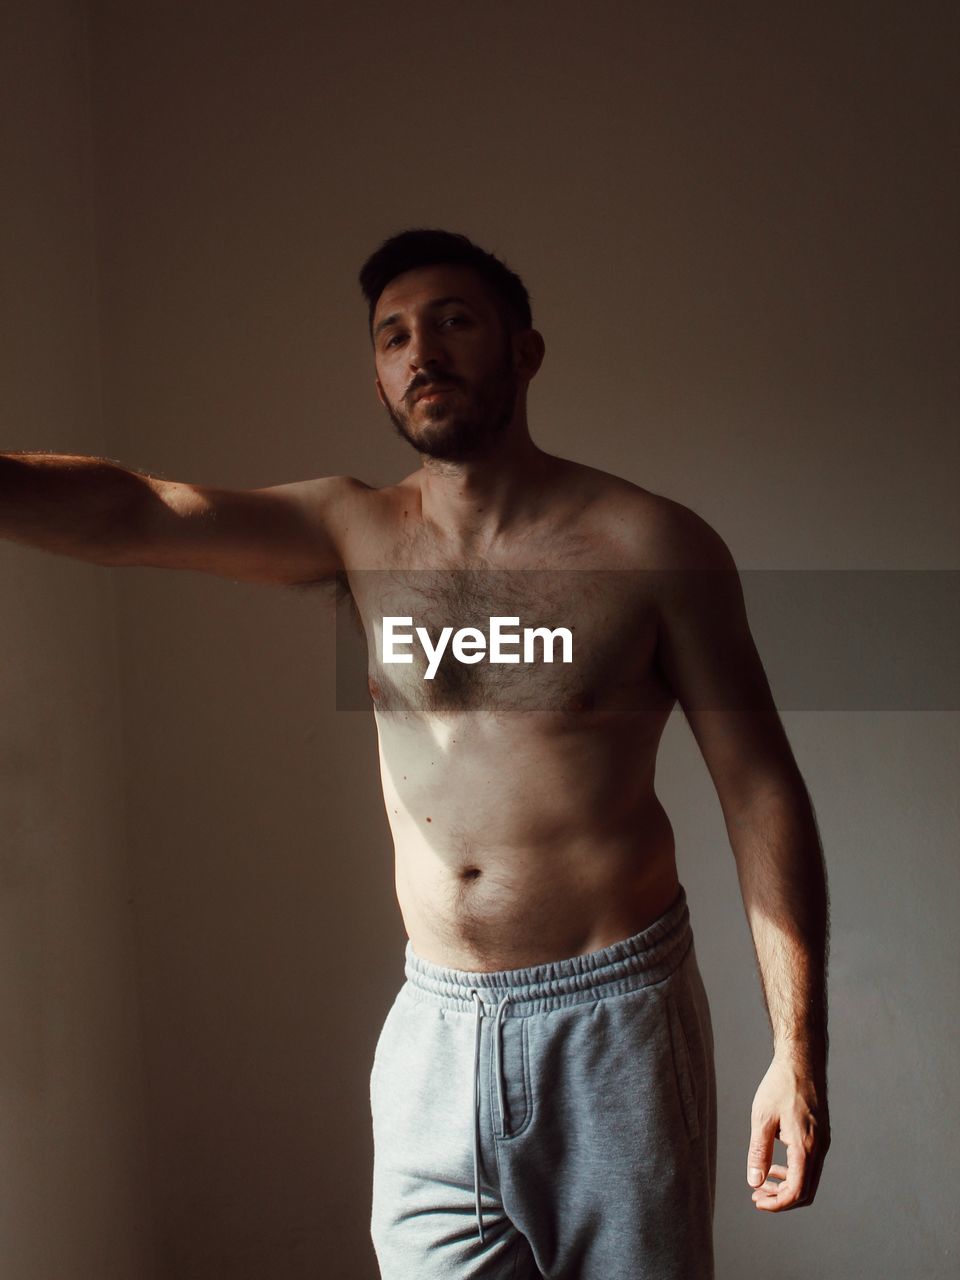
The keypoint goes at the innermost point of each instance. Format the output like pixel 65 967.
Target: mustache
pixel 419 382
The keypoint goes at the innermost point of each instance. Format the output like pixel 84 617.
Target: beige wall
pixel 738 231
pixel 74 1201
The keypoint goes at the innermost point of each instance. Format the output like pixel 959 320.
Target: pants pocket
pixel 683 1068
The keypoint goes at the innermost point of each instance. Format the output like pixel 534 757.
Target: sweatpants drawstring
pixel 497 1023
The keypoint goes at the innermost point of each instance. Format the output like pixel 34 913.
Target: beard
pixel 464 430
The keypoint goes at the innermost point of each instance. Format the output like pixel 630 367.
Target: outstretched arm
pixel 98 511
pixel 707 655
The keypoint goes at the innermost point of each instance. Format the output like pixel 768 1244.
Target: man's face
pixel 439 329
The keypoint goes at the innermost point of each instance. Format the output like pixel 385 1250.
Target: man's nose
pixel 425 351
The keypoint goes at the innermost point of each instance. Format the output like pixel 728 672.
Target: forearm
pixel 784 886
pixel 70 503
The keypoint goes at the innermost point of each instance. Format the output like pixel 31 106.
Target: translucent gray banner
pixel 828 640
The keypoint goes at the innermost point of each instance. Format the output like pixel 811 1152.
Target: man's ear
pixel 529 349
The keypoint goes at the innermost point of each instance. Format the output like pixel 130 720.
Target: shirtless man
pixel 543 1089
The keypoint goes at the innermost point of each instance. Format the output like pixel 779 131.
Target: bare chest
pixel 506 637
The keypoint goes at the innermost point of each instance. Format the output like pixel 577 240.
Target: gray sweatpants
pixel 555 1121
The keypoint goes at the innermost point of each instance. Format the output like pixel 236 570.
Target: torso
pixel 521 797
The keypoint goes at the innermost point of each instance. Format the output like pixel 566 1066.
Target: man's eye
pixel 449 319
pixel 390 341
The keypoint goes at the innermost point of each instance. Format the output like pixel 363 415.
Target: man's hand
pixel 792 1106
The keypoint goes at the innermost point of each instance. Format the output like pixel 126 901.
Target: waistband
pixel 640 960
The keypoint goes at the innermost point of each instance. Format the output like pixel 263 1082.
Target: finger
pixel 789 1192
pixel 817 1157
pixel 774 1178
pixel 760 1152
pixel 767 1194
pixel 816 1164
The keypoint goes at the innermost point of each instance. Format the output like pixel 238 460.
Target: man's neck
pixel 479 502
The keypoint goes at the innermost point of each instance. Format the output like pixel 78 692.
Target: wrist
pixel 804 1057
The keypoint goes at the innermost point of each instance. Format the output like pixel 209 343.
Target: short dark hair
pixel 423 247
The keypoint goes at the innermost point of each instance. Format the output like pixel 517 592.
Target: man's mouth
pixel 429 392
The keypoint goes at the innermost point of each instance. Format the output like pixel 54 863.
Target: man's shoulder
pixel 365 519
pixel 353 494
pixel 395 491
pixel 650 530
